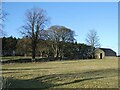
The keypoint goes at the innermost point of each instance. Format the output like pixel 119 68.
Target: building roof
pixel 108 51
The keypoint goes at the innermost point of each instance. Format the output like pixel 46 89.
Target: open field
pixel 63 74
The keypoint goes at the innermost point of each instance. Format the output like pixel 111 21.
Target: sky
pixel 80 17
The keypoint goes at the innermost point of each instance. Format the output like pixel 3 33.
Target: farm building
pixel 104 52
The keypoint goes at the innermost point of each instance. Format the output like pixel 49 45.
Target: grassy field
pixel 63 74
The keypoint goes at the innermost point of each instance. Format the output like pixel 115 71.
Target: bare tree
pixel 2 19
pixel 93 40
pixel 59 35
pixel 3 15
pixel 36 20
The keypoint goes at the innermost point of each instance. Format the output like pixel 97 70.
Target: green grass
pixel 63 74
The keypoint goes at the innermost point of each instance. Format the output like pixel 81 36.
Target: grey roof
pixel 108 51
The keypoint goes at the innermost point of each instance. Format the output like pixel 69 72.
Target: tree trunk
pixel 41 54
pixel 25 55
pixel 56 53
pixel 33 50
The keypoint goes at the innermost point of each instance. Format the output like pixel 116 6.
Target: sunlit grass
pixel 96 73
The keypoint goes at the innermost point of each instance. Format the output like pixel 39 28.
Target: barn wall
pixel 97 53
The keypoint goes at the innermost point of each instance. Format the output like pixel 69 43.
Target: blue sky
pixel 79 16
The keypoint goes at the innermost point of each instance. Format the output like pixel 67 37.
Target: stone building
pixel 104 52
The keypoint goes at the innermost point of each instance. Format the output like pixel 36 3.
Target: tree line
pixel 57 41
pixel 54 46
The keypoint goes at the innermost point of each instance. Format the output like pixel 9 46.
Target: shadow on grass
pixel 9 72
pixel 51 81
pixel 24 69
pixel 17 83
pixel 25 60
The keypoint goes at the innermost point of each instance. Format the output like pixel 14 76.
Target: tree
pixel 23 46
pixel 43 48
pixel 76 51
pixel 93 40
pixel 9 45
pixel 36 20
pixel 3 15
pixel 2 18
pixel 59 35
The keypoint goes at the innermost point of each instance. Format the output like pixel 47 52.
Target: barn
pixel 104 52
